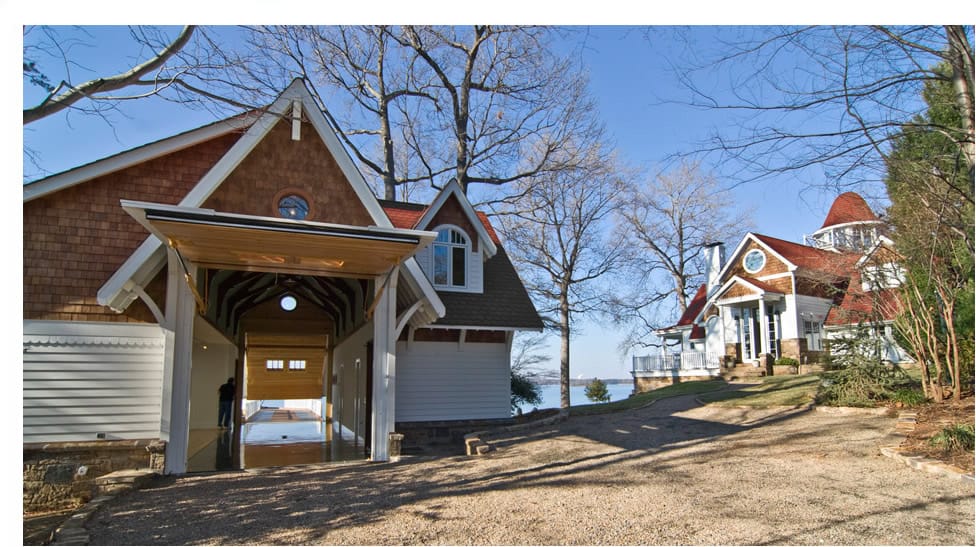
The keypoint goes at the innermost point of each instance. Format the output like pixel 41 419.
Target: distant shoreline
pixel 583 381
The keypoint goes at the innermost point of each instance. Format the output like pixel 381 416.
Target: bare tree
pixel 507 105
pixel 667 222
pixel 373 85
pixel 178 68
pixel 830 98
pixel 557 234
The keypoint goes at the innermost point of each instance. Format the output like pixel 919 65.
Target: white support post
pixel 180 313
pixel 384 366
pixel 764 346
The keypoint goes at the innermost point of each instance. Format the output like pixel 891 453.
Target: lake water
pixel 550 395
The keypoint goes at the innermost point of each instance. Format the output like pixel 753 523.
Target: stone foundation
pixel 62 475
pixel 645 384
pixel 442 435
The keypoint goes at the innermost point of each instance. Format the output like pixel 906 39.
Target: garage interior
pixel 274 333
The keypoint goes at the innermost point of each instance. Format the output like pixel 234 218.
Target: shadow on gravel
pixel 301 505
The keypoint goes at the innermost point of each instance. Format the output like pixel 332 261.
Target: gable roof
pixel 119 291
pixel 454 189
pixel 810 258
pixel 504 304
pixel 137 155
pixel 849 207
pixel 694 309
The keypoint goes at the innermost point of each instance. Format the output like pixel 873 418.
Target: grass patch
pixel 642 399
pixel 773 391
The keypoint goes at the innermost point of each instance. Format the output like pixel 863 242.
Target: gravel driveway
pixel 672 473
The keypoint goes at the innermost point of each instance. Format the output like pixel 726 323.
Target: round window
pixel 288 302
pixel 293 206
pixel 754 261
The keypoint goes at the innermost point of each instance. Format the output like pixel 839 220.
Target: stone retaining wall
pixel 62 475
pixel 420 435
pixel 645 384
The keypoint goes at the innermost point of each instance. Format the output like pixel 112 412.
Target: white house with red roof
pixel 774 298
pixel 252 248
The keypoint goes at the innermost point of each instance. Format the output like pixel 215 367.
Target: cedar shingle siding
pixel 277 164
pixel 76 238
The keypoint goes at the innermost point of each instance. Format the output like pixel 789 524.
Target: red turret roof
pixel 849 207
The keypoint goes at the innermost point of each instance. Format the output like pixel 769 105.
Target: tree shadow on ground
pixel 302 504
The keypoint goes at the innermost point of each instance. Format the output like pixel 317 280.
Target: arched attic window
pixel 450 257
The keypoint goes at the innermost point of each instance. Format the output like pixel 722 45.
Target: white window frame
pixel 450 231
pixel 813 332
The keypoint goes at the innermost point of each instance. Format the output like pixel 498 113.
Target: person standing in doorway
pixel 227 394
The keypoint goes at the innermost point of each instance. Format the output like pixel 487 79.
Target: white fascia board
pixel 845 225
pixel 453 188
pixel 298 90
pixel 418 280
pixel 714 300
pixel 141 266
pixel 475 327
pixel 109 295
pixel 123 160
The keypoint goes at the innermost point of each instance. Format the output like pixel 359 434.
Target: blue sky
pixel 630 78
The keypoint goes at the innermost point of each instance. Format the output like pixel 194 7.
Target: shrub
pixel 786 361
pixel 524 391
pixel 862 379
pixel 954 437
pixel 908 397
pixel 597 391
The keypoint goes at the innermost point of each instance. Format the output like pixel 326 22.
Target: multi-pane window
pixel 811 331
pixel 450 251
pixel 296 364
pixel 275 364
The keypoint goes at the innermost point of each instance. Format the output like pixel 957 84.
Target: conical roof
pixel 849 207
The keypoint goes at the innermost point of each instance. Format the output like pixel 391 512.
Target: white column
pixel 180 312
pixel 384 367
pixel 763 329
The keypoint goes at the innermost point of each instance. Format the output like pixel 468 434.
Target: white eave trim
pixel 135 156
pixel 845 225
pixel 716 301
pixel 113 293
pixel 453 188
pixel 475 327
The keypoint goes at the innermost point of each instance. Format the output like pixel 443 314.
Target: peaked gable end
pixel 279 166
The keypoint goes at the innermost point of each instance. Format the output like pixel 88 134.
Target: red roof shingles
pixel 403 218
pixel 407 215
pixel 811 258
pixel 848 207
pixel 859 305
pixel 694 307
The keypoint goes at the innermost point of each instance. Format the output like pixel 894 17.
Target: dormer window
pixel 450 252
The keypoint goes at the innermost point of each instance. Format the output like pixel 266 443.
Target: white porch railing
pixel 686 360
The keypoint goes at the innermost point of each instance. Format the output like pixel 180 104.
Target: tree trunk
pixel 961 60
pixel 564 401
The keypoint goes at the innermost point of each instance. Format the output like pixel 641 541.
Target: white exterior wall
pixel 349 392
pixel 714 340
pixel 789 323
pixel 86 379
pixel 438 381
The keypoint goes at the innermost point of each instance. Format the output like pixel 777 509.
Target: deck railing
pixel 686 360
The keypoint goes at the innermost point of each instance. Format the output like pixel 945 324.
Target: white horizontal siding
pixel 436 381
pixel 86 379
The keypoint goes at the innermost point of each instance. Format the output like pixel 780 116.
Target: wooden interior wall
pixel 308 383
